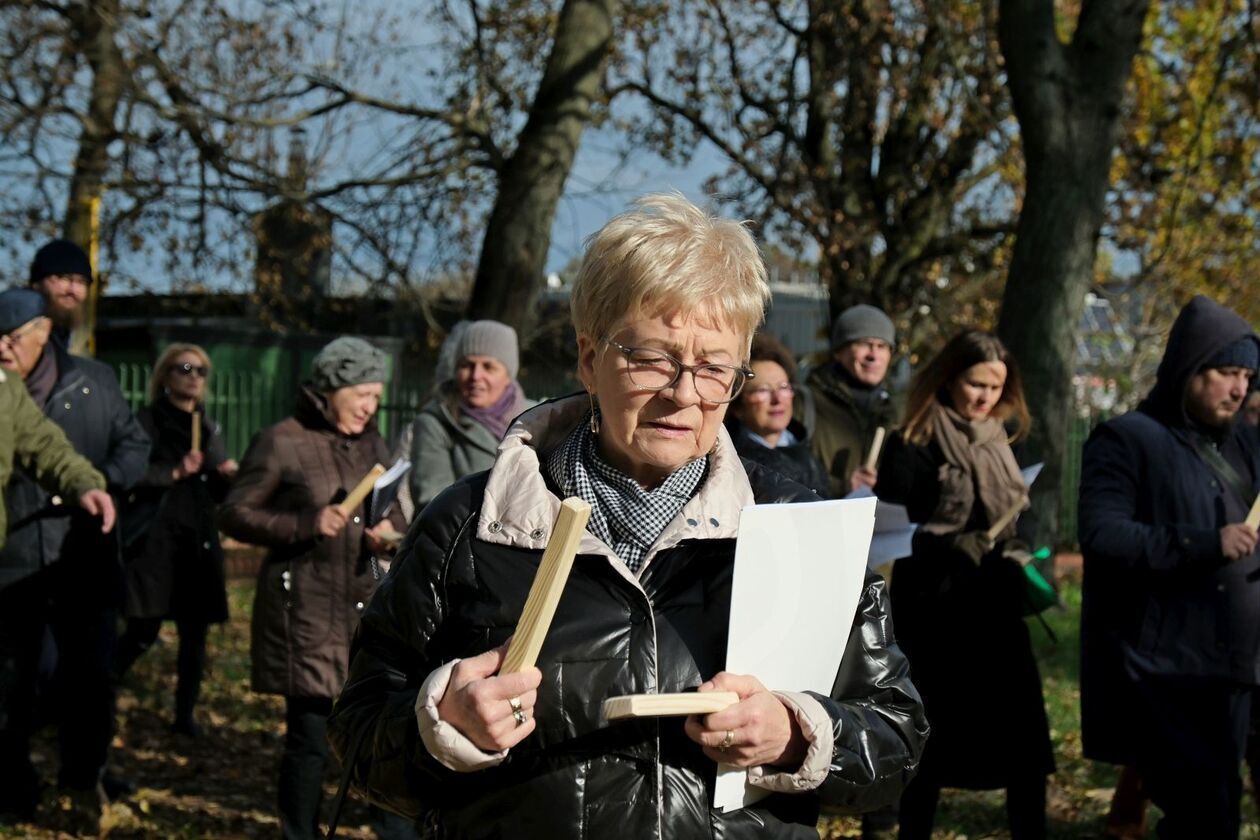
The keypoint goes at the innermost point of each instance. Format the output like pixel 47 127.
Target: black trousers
pixel 81 693
pixel 1190 760
pixel 302 768
pixel 1025 808
pixel 190 663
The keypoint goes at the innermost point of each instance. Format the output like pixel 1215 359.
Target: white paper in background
pixel 385 490
pixel 893 537
pixel 894 531
pixel 798 576
pixel 1030 473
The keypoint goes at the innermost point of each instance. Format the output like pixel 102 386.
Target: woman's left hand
pixel 757 730
pixel 376 541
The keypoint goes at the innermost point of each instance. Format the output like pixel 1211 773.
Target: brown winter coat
pixel 311 590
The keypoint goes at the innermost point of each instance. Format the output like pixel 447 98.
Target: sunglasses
pixel 188 370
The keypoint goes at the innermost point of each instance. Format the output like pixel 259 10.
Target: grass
pixel 223 785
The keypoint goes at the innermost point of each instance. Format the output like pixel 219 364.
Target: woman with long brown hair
pixel 958 599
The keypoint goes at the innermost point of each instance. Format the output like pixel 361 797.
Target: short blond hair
pixel 163 366
pixel 667 255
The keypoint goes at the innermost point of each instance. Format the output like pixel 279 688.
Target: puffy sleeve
pixel 374 723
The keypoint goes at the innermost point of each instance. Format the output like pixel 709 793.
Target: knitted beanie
pixel 347 361
pixel 490 338
pixel 861 322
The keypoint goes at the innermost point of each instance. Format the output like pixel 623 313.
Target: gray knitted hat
pixel 347 361
pixel 859 322
pixel 490 338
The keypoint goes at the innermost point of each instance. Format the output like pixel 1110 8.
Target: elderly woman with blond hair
pixel 171 537
pixel 664 306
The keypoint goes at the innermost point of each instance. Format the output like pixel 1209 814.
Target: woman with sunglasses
pixel 760 420
pixel 664 307
pixel 170 534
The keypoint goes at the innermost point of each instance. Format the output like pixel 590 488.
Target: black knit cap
pixel 61 256
pixel 1243 353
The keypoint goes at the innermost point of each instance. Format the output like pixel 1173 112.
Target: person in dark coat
pixel 57 570
pixel 1170 613
pixel 322 565
pixel 174 562
pixel 664 305
pixel 760 420
pixel 958 599
pixel 844 401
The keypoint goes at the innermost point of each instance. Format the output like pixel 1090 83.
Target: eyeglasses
pixel 762 393
pixel 13 337
pixel 656 370
pixel 188 370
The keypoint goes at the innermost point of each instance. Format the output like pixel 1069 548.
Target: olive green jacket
pixel 35 444
pixel 840 429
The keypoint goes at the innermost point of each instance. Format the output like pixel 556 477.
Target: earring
pixel 590 395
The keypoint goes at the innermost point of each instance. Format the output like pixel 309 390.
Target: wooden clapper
pixel 544 593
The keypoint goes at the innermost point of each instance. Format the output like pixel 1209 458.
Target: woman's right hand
pixel 330 521
pixel 479 704
pixel 973 545
pixel 190 465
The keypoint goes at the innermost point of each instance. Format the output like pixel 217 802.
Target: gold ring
pixel 515 703
pixel 727 741
pixel 519 715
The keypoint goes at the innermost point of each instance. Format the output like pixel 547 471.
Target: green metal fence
pixel 240 402
pixel 1069 487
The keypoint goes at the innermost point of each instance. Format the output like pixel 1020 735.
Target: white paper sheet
pixel 385 490
pixel 894 531
pixel 798 576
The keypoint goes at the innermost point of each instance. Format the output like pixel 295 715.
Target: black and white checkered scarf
pixel 624 515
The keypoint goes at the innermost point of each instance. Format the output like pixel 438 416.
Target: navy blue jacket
pixel 88 405
pixel 796 462
pixel 1159 597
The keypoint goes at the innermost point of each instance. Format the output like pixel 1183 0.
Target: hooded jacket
pixel 457 590
pixel 1159 598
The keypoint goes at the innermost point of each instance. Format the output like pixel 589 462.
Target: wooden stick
pixel 360 491
pixel 1253 516
pixel 1006 519
pixel 196 432
pixel 877 443
pixel 544 594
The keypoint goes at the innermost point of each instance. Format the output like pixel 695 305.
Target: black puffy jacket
pixel 458 588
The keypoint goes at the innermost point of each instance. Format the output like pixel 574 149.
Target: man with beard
pixel 61 272
pixel 57 569
pixel 1170 620
pixel 844 402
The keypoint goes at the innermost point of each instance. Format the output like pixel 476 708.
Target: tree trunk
pixel 1068 100
pixel 94 27
pixel 531 182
